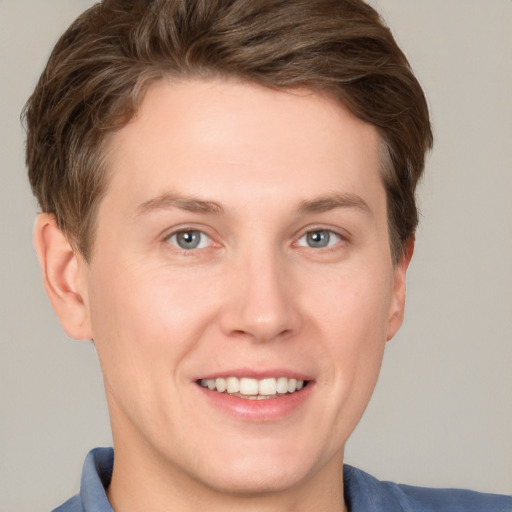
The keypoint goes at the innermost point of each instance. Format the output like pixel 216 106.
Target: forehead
pixel 231 139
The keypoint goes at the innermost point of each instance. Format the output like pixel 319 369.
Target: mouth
pixel 254 389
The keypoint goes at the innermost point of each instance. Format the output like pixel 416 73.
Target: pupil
pixel 318 239
pixel 188 239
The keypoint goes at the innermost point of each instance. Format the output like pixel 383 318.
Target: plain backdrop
pixel 442 411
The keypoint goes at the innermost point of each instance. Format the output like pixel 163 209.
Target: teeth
pixel 233 384
pixel 267 387
pixel 248 386
pixel 282 385
pixel 253 389
pixel 221 385
pixel 292 385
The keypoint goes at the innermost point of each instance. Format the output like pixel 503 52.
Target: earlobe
pixel 61 269
pixel 397 308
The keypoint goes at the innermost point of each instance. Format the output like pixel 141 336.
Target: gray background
pixel 442 412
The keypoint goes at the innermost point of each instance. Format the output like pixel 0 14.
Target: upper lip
pixel 256 374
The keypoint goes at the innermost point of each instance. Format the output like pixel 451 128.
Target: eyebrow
pixel 188 203
pixel 333 201
pixel 193 204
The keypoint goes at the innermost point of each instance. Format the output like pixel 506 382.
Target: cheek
pixel 347 314
pixel 352 310
pixel 354 303
pixel 145 324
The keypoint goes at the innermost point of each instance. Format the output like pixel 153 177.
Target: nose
pixel 261 303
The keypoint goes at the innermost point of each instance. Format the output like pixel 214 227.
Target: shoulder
pixel 74 504
pixel 363 490
pixel 454 500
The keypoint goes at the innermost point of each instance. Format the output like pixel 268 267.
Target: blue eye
pixel 189 239
pixel 319 239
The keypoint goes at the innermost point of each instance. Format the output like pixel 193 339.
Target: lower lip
pixel 266 410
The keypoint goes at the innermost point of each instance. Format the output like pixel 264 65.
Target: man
pixel 228 213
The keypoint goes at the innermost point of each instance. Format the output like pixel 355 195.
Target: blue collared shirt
pixel 363 493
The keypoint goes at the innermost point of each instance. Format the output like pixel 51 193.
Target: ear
pixel 63 272
pixel 397 308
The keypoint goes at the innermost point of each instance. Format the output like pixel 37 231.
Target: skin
pixel 253 296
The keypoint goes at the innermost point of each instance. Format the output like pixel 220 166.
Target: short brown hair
pixel 100 68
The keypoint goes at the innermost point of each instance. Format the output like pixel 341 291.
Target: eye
pixel 189 239
pixel 319 239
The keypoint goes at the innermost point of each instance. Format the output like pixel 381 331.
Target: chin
pixel 264 471
pixel 255 480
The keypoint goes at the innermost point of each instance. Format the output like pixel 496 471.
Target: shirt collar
pixel 96 476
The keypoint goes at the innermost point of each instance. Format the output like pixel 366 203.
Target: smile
pixel 254 389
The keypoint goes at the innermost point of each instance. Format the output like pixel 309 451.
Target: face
pixel 242 246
